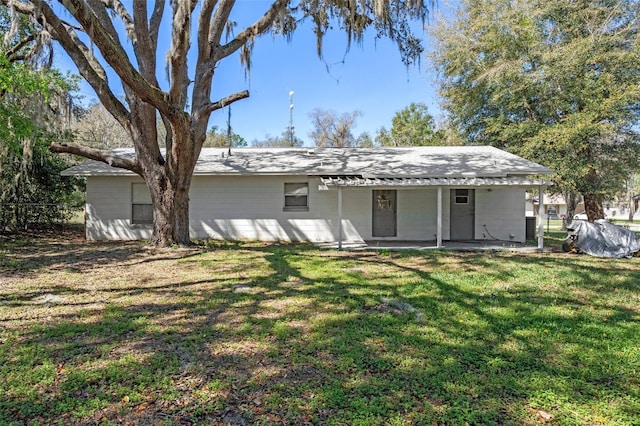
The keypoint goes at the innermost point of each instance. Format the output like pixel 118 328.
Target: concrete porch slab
pixel 475 245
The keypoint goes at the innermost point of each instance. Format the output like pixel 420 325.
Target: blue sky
pixel 370 78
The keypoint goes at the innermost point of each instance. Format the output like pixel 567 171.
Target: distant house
pixel 555 207
pixel 329 195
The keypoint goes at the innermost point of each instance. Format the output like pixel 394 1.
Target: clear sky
pixel 370 78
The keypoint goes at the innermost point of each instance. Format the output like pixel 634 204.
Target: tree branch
pixel 258 28
pixel 225 101
pixel 145 47
pixel 146 32
pixel 125 17
pixel 205 66
pixel 204 48
pixel 99 9
pixel 154 22
pixel 88 67
pixel 103 155
pixel 12 52
pixel 216 26
pixel 178 54
pixel 114 54
pixel 21 7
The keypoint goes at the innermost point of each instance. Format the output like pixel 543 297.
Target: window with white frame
pixel 462 196
pixel 141 207
pixel 296 196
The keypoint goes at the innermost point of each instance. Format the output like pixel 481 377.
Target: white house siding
pixel 500 214
pixel 108 209
pixel 416 213
pixel 251 208
pixel 356 213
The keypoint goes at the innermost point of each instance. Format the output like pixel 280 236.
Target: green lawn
pixel 235 333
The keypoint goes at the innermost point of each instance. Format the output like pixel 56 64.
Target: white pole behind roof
pixel 439 223
pixel 540 217
pixel 339 218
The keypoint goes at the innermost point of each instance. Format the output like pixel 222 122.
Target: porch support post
pixel 540 217
pixel 439 224
pixel 339 218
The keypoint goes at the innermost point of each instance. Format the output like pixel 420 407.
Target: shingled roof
pixel 414 162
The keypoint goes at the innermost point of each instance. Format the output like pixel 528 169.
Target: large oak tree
pixel 80 26
pixel 557 81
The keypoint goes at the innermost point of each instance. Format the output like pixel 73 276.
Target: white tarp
pixel 604 239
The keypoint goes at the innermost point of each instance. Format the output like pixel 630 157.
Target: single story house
pixel 554 207
pixel 349 195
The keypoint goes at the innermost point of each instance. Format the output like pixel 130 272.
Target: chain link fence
pixel 26 216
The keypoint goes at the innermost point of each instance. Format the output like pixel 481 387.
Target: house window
pixel 462 196
pixel 296 196
pixel 141 207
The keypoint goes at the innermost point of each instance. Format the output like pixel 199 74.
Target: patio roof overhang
pixel 341 182
pixel 328 182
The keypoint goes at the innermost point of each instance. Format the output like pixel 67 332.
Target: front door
pixel 462 214
pixel 384 213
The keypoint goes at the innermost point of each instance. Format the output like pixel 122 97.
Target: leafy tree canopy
pixel 411 126
pixel 557 81
pixel 34 106
pixel 218 138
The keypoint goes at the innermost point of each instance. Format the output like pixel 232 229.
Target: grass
pixel 271 334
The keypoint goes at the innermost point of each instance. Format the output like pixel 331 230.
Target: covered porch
pixel 342 182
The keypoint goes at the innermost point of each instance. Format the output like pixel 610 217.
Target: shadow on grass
pixel 23 255
pixel 280 334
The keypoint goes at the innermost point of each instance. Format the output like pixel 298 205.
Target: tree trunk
pixel 170 213
pixel 593 206
pixel 571 198
pixel 169 183
pixel 630 201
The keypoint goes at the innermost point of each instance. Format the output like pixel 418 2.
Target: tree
pixel 411 126
pixel 32 191
pixel 186 105
pixel 34 107
pixel 97 128
pixel 556 81
pixel 286 140
pixel 364 141
pixel 216 138
pixel 331 130
pixel 383 138
pixel 447 134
